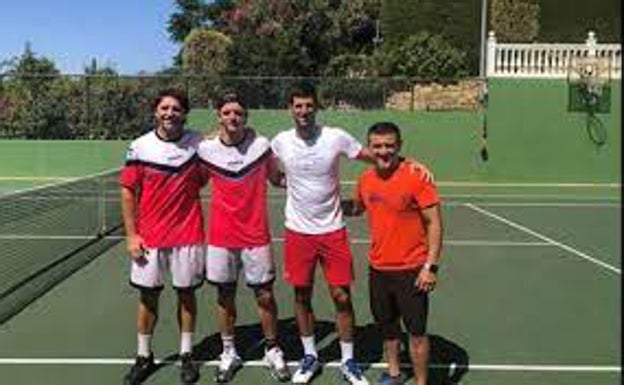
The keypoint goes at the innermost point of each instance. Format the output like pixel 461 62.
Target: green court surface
pixel 529 293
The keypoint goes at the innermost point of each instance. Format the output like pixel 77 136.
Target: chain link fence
pixel 118 107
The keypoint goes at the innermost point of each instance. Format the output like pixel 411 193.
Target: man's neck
pixel 169 136
pixel 308 132
pixel 232 138
pixel 386 173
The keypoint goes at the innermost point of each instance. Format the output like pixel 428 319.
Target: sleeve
pixel 348 145
pixel 275 146
pixel 425 193
pixel 132 171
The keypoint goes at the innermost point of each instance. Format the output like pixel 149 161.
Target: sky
pixel 129 36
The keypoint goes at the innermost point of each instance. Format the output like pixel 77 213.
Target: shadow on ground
pixel 448 361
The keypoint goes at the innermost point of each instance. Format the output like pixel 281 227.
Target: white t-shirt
pixel 312 176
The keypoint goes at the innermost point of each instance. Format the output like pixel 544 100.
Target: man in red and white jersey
pixel 161 206
pixel 240 162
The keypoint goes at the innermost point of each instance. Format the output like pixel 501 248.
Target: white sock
pixel 228 344
pixel 346 349
pixel 309 346
pixel 186 342
pixel 144 344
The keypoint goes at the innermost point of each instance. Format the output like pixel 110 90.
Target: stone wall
pixel 464 95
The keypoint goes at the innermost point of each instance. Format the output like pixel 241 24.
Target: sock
pixel 269 344
pixel 186 342
pixel 228 344
pixel 308 345
pixel 346 349
pixel 144 344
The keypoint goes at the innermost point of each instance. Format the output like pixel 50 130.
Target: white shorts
pixel 184 263
pixel 224 264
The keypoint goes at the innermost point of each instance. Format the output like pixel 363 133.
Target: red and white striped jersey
pixel 167 179
pixel 238 204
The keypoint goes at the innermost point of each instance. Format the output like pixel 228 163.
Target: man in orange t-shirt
pixel 406 239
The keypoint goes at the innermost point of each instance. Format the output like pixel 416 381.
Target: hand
pixel 426 280
pixel 427 175
pixel 351 208
pixel 135 248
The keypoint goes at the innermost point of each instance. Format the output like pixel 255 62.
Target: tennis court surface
pixel 529 293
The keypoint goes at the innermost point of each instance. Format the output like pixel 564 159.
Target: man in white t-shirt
pixel 315 231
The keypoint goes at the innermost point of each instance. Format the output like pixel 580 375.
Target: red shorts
pixel 302 251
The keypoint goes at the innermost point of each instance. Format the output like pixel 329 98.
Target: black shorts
pixel 394 297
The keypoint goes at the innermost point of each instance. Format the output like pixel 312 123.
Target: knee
pixel 342 299
pixel 149 299
pixel 303 299
pixel 186 297
pixel 419 342
pixel 226 295
pixel 264 297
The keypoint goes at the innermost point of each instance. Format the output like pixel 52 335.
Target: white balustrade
pixel 539 60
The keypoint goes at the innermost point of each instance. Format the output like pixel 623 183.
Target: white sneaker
pixel 228 366
pixel 308 366
pixel 351 372
pixel 274 358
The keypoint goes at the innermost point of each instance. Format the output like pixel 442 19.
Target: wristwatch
pixel 432 267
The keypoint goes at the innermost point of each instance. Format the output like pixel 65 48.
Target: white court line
pixel 545 238
pixel 356 241
pixel 58 237
pixel 557 198
pixel 59 182
pixel 365 241
pixel 447 183
pixel 514 184
pixel 376 365
pixel 542 204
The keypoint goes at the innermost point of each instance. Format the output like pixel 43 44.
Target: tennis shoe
pixel 274 358
pixel 387 379
pixel 308 367
pixel 229 364
pixel 142 368
pixel 189 370
pixel 352 373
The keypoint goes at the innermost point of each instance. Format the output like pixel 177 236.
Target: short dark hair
pixel 382 128
pixel 175 93
pixel 303 89
pixel 229 97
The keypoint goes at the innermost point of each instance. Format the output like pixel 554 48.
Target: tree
pixel 193 14
pixel 425 56
pixel 515 20
pixel 570 20
pixel 457 21
pixel 36 109
pixel 205 52
pixel 351 66
pixel 272 37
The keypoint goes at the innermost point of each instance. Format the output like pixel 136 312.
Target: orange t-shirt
pixel 397 230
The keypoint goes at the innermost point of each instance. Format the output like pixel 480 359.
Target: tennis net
pixel 48 232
